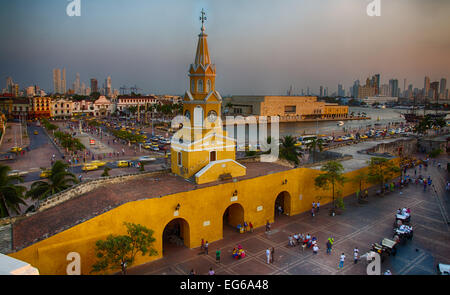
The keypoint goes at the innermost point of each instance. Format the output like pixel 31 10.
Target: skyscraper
pixel 426 86
pixel 341 91
pixel 321 91
pixel 393 86
pixel 77 84
pixel 94 85
pixel 377 79
pixel 443 87
pixel 63 81
pixel 434 90
pixel 108 86
pixel 56 80
pixel 9 85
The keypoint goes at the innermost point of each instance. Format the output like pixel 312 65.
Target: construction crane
pixel 134 89
pixel 123 89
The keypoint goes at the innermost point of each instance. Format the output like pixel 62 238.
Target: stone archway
pixel 175 236
pixel 232 216
pixel 283 201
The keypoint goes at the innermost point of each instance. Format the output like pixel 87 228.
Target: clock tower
pixel 201 145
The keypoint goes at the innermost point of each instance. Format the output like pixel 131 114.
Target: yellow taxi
pixel 146 146
pixel 122 163
pixel 98 163
pixel 89 167
pixel 16 149
pixel 363 136
pixel 35 132
pixel 45 173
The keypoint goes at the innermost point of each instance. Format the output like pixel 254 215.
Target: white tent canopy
pixel 12 266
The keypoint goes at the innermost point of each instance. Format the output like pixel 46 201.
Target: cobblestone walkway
pixel 359 226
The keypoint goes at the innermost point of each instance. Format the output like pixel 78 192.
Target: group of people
pixel 270 252
pixel 245 227
pixel 403 215
pixel 238 252
pixel 315 208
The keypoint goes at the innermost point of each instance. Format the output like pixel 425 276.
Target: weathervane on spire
pixel 203 18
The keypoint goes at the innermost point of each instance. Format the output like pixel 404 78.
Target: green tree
pixel 105 172
pixel 289 151
pixel 11 194
pixel 119 251
pixel 359 179
pixel 315 144
pixel 381 170
pixel 332 176
pixel 58 180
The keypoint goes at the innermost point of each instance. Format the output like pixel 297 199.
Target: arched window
pixel 208 86
pixel 200 86
pixel 198 116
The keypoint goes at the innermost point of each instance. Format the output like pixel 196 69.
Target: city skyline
pixel 254 41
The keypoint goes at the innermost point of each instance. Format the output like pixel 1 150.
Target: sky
pixel 258 46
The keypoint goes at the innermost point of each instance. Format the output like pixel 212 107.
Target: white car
pixel 17 173
pixel 146 159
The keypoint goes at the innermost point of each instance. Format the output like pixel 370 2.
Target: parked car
pixel 146 159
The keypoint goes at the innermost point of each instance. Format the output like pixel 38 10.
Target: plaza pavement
pixel 359 226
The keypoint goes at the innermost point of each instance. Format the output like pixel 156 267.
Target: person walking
pixel 341 261
pixel 268 226
pixel 268 255
pixel 202 245
pixel 318 206
pixel 272 254
pixel 218 256
pixel 251 226
pixel 206 247
pixel 329 245
pixel 355 255
pixel 312 212
pixel 315 249
pixel 211 271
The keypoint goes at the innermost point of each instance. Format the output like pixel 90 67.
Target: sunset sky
pixel 258 46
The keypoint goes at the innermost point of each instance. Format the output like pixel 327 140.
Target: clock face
pixel 212 116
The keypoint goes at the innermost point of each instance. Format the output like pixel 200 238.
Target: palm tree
pixel 59 180
pixel 10 194
pixel 289 151
pixel 313 145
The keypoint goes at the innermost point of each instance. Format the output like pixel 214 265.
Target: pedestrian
pixel 206 247
pixel 251 226
pixel 329 245
pixel 192 272
pixel 341 261
pixel 245 226
pixel 272 254
pixel 312 212
pixel 355 255
pixel 202 245
pixel 291 241
pixel 218 256
pixel 268 255
pixel 387 273
pixel 211 271
pixel 318 206
pixel 268 226
pixel 315 249
pixel 314 205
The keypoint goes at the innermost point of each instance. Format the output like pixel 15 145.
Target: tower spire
pixel 203 19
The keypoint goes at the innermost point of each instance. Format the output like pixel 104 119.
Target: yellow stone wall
pixel 202 210
pixel 213 173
